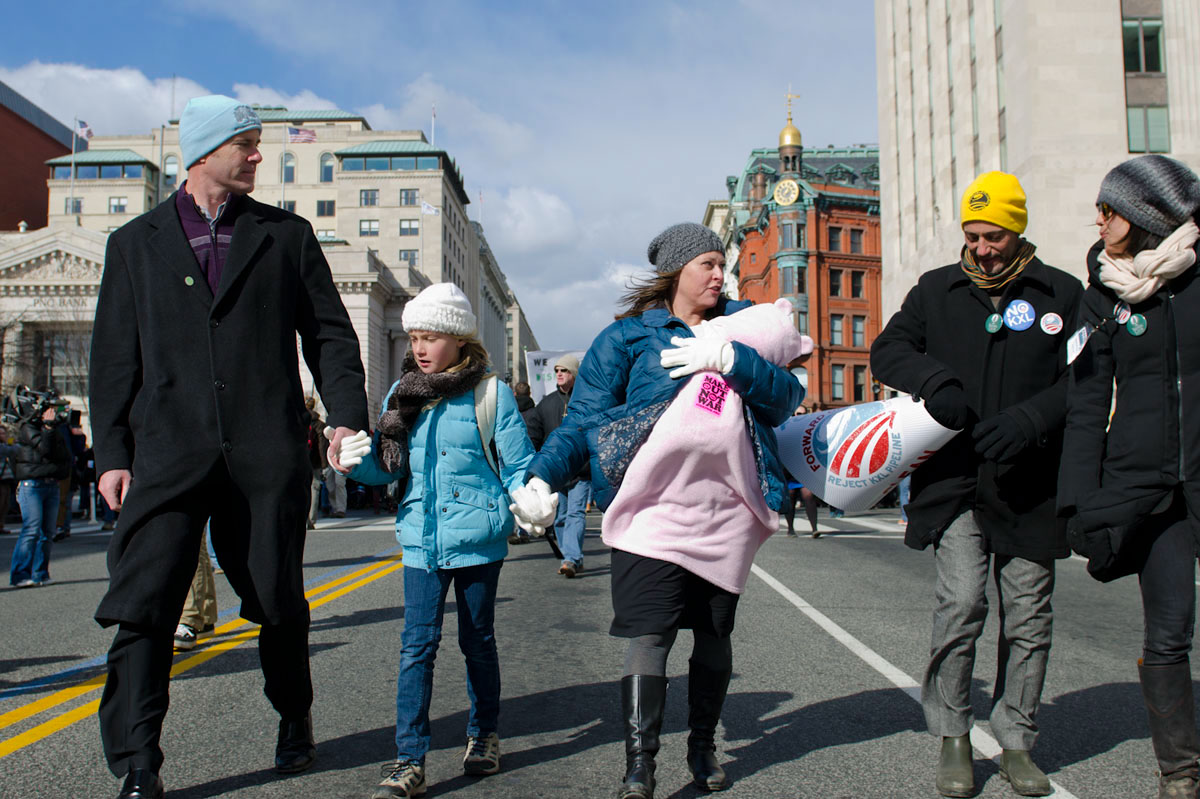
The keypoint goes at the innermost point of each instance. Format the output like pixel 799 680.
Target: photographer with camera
pixel 41 459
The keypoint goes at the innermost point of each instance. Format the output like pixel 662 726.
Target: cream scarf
pixel 1136 278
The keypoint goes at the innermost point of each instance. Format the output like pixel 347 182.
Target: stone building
pixel 803 224
pixel 1055 93
pixel 388 207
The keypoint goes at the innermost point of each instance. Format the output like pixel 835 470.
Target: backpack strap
pixel 486 398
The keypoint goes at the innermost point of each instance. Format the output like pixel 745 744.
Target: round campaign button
pixel 1136 325
pixel 1121 312
pixel 1019 315
pixel 189 280
pixel 993 323
pixel 1051 323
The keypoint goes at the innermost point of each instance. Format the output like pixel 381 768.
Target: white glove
pixel 535 506
pixel 353 448
pixel 698 355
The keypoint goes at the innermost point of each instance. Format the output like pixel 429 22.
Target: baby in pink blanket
pixel 691 496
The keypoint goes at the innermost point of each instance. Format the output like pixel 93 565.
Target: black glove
pixel 1003 436
pixel 948 406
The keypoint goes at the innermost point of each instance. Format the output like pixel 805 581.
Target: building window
pixel 326 207
pixel 327 168
pixel 326 234
pixel 856 284
pixel 133 170
pixel 110 171
pixel 835 239
pixel 858 331
pixel 287 172
pixel 860 383
pixel 801 279
pixel 409 227
pixel 86 172
pixel 368 227
pixel 408 196
pixel 368 197
pixel 856 241
pixel 837 383
pixel 785 280
pixel 1143 40
pixel 170 171
pixel 835 282
pixel 409 257
pixel 117 205
pixel 73 205
pixel 287 205
pixel 802 322
pixel 787 236
pixel 753 258
pixel 1149 130
pixel 60 173
pixel 835 330
pixel 60 359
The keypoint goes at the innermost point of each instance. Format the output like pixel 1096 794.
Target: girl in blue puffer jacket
pixel 453 522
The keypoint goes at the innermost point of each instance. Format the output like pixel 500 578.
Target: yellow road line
pixel 331 590
pixel 67 694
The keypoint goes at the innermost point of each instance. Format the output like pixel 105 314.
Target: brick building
pixel 804 224
pixel 36 136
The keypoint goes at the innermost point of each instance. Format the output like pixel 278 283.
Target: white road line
pixel 985 744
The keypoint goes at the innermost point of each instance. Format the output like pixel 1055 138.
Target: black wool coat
pixel 182 380
pixel 1115 473
pixel 938 336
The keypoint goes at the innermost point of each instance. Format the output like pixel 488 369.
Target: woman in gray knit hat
pixel 1131 485
pixel 624 386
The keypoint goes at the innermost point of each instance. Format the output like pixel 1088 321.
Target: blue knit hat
pixel 210 121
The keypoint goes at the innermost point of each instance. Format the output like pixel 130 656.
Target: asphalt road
pixel 830 645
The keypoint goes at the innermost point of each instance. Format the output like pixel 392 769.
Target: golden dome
pixel 790 135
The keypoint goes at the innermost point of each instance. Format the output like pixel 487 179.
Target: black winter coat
pixel 544 419
pixel 1116 472
pixel 938 336
pixel 41 452
pixel 182 380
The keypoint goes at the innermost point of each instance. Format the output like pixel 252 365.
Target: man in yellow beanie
pixel 983 343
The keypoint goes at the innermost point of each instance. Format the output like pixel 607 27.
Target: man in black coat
pixel 571 522
pixel 983 343
pixel 198 414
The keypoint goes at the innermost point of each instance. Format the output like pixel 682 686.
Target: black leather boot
pixel 1167 691
pixel 295 750
pixel 643 698
pixel 706 697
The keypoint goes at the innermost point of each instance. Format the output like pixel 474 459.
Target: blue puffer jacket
pixel 622 389
pixel 454 511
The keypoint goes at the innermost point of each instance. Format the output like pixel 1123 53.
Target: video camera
pixel 27 405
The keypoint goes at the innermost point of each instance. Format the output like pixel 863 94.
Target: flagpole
pixel 283 168
pixel 74 130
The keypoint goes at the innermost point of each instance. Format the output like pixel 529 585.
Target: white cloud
pixel 529 220
pixel 567 314
pixel 264 95
pixel 113 101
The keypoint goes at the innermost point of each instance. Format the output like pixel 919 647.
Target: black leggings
pixel 810 508
pixel 647 654
pixel 1168 585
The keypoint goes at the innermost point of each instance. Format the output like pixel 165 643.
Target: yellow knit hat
pixel 995 197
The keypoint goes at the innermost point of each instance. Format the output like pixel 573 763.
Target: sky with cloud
pixel 586 126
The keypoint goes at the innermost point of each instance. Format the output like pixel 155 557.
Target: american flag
pixel 301 135
pixel 85 130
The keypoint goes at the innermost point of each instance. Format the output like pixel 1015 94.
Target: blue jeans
pixel 424 608
pixel 571 521
pixel 39 513
pixel 905 486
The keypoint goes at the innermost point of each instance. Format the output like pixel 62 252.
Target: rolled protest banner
pixel 851 457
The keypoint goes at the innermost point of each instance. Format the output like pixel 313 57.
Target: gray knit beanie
pixel 678 244
pixel 1156 193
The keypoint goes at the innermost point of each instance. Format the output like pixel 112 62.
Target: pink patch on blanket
pixel 713 391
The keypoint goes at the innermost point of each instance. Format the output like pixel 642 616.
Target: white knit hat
pixel 440 308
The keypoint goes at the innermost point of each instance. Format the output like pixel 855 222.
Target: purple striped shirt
pixel 209 238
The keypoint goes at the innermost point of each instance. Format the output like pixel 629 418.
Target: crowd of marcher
pixel 1075 433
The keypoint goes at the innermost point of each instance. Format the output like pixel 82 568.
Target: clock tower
pixel 791 212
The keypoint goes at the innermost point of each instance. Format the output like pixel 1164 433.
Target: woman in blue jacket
pixel 627 380
pixel 453 522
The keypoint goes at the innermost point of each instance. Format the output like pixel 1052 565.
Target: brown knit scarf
pixel 414 392
pixel 994 282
